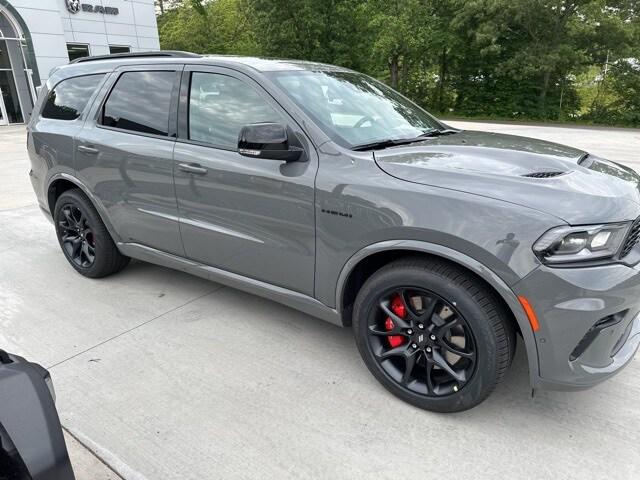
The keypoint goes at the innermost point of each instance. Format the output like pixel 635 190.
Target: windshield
pixel 354 109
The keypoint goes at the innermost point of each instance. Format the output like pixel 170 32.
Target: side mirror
pixel 269 141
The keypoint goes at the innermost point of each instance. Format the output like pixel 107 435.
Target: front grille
pixel 632 239
pixel 549 174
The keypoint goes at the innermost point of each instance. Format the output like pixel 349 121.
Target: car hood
pixel 562 181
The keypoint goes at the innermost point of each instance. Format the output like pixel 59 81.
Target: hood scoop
pixel 549 174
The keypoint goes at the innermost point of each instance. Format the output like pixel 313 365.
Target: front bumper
pixel 589 322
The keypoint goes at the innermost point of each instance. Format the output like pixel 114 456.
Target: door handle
pixel 192 168
pixel 89 150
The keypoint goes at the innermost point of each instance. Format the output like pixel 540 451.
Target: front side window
pixel 140 102
pixel 219 106
pixel 70 97
pixel 352 108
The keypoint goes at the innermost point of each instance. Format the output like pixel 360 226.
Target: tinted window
pixel 219 106
pixel 140 102
pixel 68 99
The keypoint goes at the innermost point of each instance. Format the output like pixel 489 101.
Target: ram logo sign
pixel 74 6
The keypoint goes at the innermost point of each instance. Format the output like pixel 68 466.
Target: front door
pixel 250 216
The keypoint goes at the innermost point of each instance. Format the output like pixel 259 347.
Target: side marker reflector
pixel 531 314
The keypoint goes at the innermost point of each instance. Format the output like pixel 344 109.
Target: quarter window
pixel 219 106
pixel 141 102
pixel 70 97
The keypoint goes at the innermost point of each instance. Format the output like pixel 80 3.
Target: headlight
pixel 580 244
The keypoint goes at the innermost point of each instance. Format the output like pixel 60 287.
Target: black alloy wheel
pixel 84 238
pixel 422 341
pixel 433 334
pixel 77 238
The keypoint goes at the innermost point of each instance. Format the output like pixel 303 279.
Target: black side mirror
pixel 267 140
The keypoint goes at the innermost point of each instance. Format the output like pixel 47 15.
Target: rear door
pixel 125 156
pixel 250 216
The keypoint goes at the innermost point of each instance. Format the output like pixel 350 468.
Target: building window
pixel 119 49
pixel 77 50
pixel 5 63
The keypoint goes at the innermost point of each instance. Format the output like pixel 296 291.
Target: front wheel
pixel 433 334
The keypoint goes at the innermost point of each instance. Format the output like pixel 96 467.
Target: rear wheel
pixel 83 237
pixel 433 334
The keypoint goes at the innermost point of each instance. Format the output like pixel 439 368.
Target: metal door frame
pixel 4 120
pixel 28 73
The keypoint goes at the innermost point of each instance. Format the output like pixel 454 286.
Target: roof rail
pixel 162 53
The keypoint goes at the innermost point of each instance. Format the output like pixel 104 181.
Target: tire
pixel 441 315
pixel 83 237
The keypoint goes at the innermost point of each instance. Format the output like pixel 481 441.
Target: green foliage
pixel 542 59
pixel 214 27
pixel 331 31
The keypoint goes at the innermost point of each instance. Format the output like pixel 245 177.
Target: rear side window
pixel 69 98
pixel 140 102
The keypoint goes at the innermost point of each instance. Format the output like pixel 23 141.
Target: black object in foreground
pixel 32 445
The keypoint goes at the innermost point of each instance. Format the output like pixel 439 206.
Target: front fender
pixel 471 264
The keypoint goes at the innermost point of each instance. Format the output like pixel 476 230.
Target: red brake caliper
pixel 397 307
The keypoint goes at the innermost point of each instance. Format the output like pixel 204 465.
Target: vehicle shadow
pixel 512 396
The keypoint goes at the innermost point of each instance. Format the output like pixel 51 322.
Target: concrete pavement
pixel 167 376
pixel 86 464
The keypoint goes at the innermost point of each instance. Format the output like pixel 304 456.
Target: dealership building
pixel 39 35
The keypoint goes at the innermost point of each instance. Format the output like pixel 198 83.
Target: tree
pixel 545 59
pixel 401 34
pixel 214 27
pixel 327 31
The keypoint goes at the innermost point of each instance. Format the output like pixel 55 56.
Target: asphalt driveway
pixel 167 376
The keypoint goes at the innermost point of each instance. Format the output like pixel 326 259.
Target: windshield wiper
pixel 389 142
pixel 434 132
pixel 392 142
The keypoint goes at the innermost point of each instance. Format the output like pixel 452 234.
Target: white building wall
pixel 52 26
pixel 134 26
pixel 43 21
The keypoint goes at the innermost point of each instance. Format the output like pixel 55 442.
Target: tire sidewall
pixel 486 369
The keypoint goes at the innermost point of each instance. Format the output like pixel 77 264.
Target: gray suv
pixel 326 190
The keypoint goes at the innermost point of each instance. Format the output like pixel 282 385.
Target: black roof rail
pixel 162 53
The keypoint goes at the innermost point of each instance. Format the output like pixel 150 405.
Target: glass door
pixel 11 111
pixel 3 112
pixel 4 65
